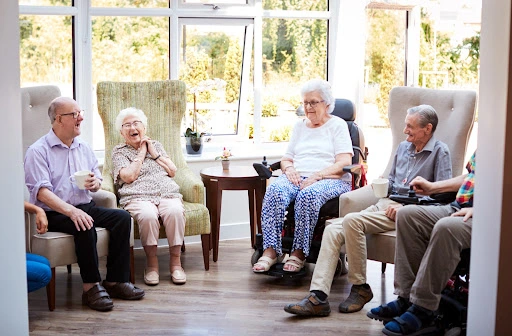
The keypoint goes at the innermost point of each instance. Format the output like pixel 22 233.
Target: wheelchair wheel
pixel 255 256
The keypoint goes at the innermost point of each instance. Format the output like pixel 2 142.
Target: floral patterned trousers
pixel 307 207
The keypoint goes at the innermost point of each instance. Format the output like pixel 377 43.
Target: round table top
pixel 233 172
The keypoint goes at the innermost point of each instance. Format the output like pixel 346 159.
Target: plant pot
pixel 225 164
pixel 194 145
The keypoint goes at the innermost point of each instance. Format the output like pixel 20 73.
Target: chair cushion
pixel 59 248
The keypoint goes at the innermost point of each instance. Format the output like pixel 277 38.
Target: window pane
pixel 212 52
pixel 131 3
pixel 294 51
pixel 45 2
pixel 384 61
pixel 304 5
pixel 128 49
pixel 46 52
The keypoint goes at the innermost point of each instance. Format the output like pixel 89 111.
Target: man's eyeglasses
pixel 313 104
pixel 135 124
pixel 75 114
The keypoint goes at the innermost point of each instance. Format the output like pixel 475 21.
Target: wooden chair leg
pixel 50 291
pixel 183 247
pixel 205 241
pixel 383 267
pixel 69 269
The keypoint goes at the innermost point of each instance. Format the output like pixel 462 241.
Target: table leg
pixel 213 203
pixel 252 214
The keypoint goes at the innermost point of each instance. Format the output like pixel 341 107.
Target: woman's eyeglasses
pixel 313 104
pixel 135 124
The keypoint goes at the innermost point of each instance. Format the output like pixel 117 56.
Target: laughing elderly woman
pixel 143 173
pixel 312 167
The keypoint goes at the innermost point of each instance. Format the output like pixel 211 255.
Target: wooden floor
pixel 229 299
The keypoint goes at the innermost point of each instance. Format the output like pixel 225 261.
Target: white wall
pixel 490 292
pixel 13 306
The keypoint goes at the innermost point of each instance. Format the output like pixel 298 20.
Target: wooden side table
pixel 236 178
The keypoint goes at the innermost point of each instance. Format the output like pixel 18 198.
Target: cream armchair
pixel 57 247
pixel 456 112
pixel 164 103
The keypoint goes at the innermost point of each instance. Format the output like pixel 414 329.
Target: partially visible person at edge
pixel 144 173
pixel 39 272
pixel 49 163
pixel 319 148
pixel 419 155
pixel 429 240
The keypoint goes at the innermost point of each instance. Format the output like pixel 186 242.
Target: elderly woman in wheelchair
pixel 319 148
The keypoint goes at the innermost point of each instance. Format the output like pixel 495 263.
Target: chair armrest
pixel 191 186
pixel 30 229
pixel 353 168
pixel 357 200
pixel 104 198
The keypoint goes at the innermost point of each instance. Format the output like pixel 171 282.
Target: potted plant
pixel 226 154
pixel 194 138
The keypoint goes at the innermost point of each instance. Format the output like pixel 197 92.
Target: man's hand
pixel 422 186
pixel 81 219
pixel 92 183
pixel 466 212
pixel 391 211
pixel 41 221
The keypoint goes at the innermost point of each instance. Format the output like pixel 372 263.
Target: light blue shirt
pixel 49 163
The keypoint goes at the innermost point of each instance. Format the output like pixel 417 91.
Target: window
pixel 46 51
pixel 213 50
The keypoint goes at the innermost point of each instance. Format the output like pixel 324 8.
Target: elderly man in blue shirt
pixel 49 163
pixel 419 155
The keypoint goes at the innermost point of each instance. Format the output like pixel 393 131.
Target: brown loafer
pixel 124 290
pixel 311 305
pixel 97 298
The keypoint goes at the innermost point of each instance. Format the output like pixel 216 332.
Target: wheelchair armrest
pixel 353 168
pixel 266 171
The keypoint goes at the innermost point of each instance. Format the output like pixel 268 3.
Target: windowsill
pixel 240 151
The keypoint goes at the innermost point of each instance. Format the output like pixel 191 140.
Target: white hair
pixel 324 88
pixel 128 112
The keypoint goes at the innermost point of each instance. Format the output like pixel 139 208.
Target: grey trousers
pixel 428 248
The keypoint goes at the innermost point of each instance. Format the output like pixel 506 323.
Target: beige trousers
pixel 172 213
pixel 351 232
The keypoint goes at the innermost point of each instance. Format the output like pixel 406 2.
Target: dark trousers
pixel 117 222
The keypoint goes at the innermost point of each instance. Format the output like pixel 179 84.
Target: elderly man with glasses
pixel 49 163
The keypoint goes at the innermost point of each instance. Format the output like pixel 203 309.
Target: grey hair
pixel 128 112
pixel 324 88
pixel 427 115
pixel 57 104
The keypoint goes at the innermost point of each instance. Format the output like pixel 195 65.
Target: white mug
pixel 380 187
pixel 79 178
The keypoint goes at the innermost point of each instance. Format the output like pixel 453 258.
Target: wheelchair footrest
pixel 277 271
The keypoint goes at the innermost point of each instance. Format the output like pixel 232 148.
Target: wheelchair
pixel 343 109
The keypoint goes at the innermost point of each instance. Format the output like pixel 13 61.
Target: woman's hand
pixel 315 177
pixel 41 221
pixel 466 212
pixel 292 175
pixel 150 147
